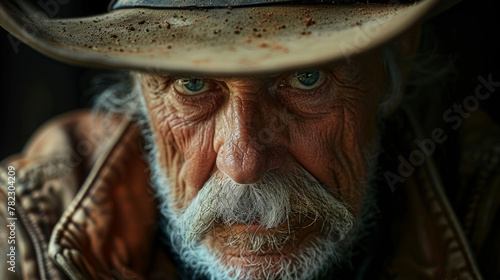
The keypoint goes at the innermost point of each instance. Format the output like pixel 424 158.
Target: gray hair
pixel 118 93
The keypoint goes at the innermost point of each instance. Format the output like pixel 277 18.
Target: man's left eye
pixel 191 86
pixel 306 80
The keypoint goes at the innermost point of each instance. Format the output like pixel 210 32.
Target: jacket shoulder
pixel 41 181
pixel 477 201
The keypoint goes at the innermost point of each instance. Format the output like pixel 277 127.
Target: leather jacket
pixel 85 210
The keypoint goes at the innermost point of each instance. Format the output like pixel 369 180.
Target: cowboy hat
pixel 214 36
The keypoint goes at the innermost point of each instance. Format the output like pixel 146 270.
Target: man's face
pixel 240 132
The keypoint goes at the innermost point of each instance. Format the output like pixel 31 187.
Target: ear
pixel 407 46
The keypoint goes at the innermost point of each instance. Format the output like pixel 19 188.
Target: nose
pixel 251 146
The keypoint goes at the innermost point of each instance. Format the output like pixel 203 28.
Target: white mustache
pixel 270 202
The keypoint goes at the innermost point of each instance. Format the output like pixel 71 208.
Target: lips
pixel 255 240
pixel 254 227
pixel 265 262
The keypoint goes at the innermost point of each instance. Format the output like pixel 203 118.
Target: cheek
pixel 333 148
pixel 185 148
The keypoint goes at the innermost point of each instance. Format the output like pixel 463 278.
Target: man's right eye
pixel 191 86
pixel 306 80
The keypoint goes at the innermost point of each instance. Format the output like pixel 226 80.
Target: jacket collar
pixel 109 229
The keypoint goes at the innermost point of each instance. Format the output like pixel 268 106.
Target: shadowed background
pixel 35 88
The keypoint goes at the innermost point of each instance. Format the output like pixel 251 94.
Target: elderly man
pixel 244 144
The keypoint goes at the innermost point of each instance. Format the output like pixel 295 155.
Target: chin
pixel 299 249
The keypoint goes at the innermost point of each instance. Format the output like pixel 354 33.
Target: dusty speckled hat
pixel 214 36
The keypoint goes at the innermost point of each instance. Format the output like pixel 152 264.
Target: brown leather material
pixel 429 242
pixel 26 248
pixel 49 173
pixel 109 229
pixel 478 202
pixel 47 178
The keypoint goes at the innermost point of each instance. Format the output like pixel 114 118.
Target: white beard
pixel 270 206
pixel 321 254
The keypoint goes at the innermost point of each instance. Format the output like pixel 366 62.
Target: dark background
pixel 34 88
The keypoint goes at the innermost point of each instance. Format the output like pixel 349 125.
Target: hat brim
pixel 236 41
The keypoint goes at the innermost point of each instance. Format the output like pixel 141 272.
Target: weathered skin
pixel 245 127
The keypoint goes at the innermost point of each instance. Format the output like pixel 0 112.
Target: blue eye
pixel 194 85
pixel 308 78
pixel 191 86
